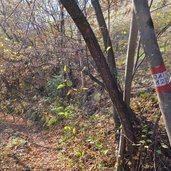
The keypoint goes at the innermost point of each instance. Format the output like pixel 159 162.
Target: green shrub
pixel 52 85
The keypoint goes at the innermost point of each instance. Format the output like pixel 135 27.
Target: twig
pixel 161 7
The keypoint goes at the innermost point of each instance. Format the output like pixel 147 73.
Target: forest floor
pixel 87 141
pixel 24 148
pixel 86 145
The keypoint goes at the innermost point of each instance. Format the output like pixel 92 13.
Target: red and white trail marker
pixel 161 78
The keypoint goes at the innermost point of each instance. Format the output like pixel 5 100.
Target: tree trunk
pixel 133 33
pixel 80 55
pixel 109 81
pixel 132 43
pixel 158 70
pixel 108 48
pixel 62 22
pixel 106 37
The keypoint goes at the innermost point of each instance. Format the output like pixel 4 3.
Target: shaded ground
pixel 24 148
pixel 75 145
pixel 83 143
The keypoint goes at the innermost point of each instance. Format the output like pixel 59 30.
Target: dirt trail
pixel 23 148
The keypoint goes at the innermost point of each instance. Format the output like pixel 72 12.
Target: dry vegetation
pixel 47 120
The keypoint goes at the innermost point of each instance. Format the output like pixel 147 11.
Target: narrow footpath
pixel 24 148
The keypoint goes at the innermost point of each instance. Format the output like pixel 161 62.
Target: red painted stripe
pixel 159 69
pixel 163 88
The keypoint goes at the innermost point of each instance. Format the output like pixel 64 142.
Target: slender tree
pixel 102 66
pixel 158 70
pixel 62 22
pixel 106 38
pixel 132 42
pixel 80 55
pixel 108 47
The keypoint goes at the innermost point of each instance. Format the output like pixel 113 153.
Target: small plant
pixel 80 153
pixel 146 136
pixel 70 130
pixel 52 121
pixel 97 145
pixel 162 147
pixel 16 142
pixel 65 112
pixel 53 83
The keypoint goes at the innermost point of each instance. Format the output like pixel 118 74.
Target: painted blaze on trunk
pixel 161 78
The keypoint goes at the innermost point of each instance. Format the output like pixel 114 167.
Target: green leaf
pixel 144 130
pixel 136 145
pixel 49 21
pixel 84 68
pixel 60 86
pixel 52 121
pixel 69 92
pixel 69 83
pixel 149 141
pixel 150 132
pixel 164 145
pixel 61 113
pixel 78 154
pixel 143 136
pixel 108 48
pixel 159 152
pixel 67 128
pixel 65 68
pixel 83 153
pixel 144 126
pixel 60 108
pixel 67 115
pixel 89 139
pixel 105 152
pixel 142 142
pixel 74 130
pixel 158 14
pixel 162 49
pixel 99 146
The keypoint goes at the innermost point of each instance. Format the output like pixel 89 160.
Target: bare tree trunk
pixel 62 22
pixel 132 43
pixel 108 14
pixel 80 56
pixel 109 81
pixel 105 34
pixel 133 33
pixel 108 48
pixel 158 70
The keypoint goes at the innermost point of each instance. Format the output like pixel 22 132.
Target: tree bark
pixel 80 55
pixel 151 48
pixel 109 81
pixel 62 22
pixel 108 48
pixel 105 34
pixel 132 42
